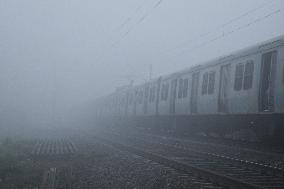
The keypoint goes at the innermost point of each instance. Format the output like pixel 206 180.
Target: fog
pixel 56 56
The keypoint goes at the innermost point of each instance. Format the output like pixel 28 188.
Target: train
pixel 237 96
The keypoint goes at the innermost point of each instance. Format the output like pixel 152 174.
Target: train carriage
pixel 239 93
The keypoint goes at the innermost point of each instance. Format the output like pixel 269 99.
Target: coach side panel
pixel 209 90
pixel 244 92
pixel 183 94
pixel 279 83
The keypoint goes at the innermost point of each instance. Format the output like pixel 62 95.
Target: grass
pixel 17 170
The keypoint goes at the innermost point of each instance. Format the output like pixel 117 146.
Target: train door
pixel 194 93
pixel 223 105
pixel 173 96
pixel 267 80
pixel 146 99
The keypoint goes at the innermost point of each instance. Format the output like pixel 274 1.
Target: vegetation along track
pixel 228 172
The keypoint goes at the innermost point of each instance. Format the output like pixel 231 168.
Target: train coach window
pixel 211 83
pixel 204 83
pixel 185 88
pixel 244 76
pixel 208 83
pixel 248 75
pixel 239 75
pixel 180 88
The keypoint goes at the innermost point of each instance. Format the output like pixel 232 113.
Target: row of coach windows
pixel 244 76
pixel 183 88
pixel 152 94
pixel 208 83
pixel 164 92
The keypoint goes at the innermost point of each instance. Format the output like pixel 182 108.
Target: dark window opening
pixel 208 83
pixel 248 75
pixel 211 83
pixel 244 76
pixel 239 77
pixel 204 84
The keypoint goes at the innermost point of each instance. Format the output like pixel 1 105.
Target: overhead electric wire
pixel 222 26
pixel 142 18
pixel 129 18
pixel 121 26
pixel 125 34
pixel 225 34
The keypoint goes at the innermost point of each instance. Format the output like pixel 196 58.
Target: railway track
pixel 185 171
pixel 211 140
pixel 253 157
pixel 53 147
pixel 59 173
pixel 226 171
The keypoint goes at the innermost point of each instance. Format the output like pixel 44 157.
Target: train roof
pixel 262 46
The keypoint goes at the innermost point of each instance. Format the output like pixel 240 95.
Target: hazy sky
pixel 78 50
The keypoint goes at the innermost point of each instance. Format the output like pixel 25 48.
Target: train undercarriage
pixel 246 127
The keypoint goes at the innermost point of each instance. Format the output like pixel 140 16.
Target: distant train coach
pixel 239 96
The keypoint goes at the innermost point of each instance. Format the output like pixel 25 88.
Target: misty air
pixel 136 94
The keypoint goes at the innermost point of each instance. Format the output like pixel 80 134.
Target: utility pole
pixel 54 95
